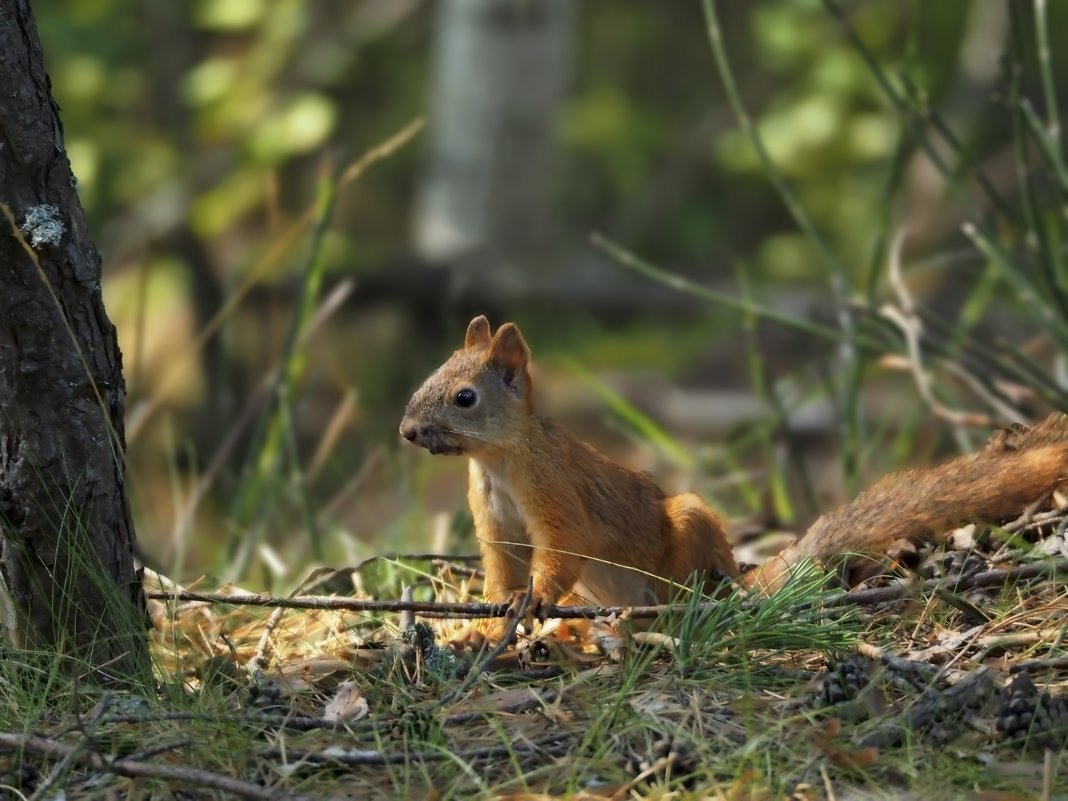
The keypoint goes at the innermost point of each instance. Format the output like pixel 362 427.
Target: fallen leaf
pixel 347 704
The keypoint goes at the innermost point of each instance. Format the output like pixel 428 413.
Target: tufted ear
pixel 509 351
pixel 478 332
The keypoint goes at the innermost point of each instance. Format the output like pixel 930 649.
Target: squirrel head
pixel 479 399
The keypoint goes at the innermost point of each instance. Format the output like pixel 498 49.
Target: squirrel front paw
pixel 490 631
pixel 481 633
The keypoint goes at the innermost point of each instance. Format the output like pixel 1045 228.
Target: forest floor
pixel 913 686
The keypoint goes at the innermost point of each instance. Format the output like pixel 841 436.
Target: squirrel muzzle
pixel 434 438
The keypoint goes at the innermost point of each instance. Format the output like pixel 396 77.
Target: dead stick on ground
pixel 904 316
pixel 44 789
pixel 34 744
pixel 989 578
pixel 986 579
pixel 1037 520
pixel 554 745
pixel 1056 663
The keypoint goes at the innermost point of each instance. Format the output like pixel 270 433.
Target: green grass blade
pixel 646 427
pixel 639 265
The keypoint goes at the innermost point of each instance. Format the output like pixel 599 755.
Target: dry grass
pixel 897 698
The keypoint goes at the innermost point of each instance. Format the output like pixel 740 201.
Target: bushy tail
pixel 1017 467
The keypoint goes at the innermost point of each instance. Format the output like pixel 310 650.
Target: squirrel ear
pixel 478 332
pixel 509 350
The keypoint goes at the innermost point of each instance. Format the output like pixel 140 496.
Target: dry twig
pixel 60 770
pixel 44 746
pixel 904 316
pixel 261 658
pixel 554 745
pixel 986 579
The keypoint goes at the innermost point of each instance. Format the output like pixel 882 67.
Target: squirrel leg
pixel 554 575
pixel 696 543
pixel 507 568
pixel 506 561
pixel 555 571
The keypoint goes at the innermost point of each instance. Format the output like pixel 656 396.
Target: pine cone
pixel 420 636
pixel 266 695
pixel 843 682
pixel 1034 719
pixel 416 725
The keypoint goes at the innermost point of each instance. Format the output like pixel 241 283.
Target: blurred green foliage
pixel 212 111
pixel 198 129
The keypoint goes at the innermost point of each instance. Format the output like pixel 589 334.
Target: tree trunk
pixel 66 537
pixel 499 74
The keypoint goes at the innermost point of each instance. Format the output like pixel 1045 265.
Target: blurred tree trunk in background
pixel 928 218
pixel 65 527
pixel 499 73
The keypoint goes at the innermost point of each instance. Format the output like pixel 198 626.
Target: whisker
pixel 464 433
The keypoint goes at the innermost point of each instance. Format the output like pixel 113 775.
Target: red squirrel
pixel 548 506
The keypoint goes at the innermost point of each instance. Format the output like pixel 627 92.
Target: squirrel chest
pixel 489 484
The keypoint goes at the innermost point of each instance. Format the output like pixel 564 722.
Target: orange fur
pixel 549 506
pixel 1017 467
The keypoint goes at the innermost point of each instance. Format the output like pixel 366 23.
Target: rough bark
pixel 66 536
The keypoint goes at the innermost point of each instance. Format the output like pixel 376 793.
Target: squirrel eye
pixel 466 398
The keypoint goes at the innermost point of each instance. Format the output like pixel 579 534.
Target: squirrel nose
pixel 409 432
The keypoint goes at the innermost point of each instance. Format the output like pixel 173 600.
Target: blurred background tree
pixel 199 133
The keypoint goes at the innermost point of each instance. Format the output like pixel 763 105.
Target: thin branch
pixel 554 745
pixel 1029 522
pixel 43 746
pixel 458 570
pixel 905 318
pixel 159 750
pixel 984 580
pixel 990 578
pixel 331 602
pixel 264 718
pixel 1053 663
pixel 261 659
pixel 44 789
pixel 324 575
